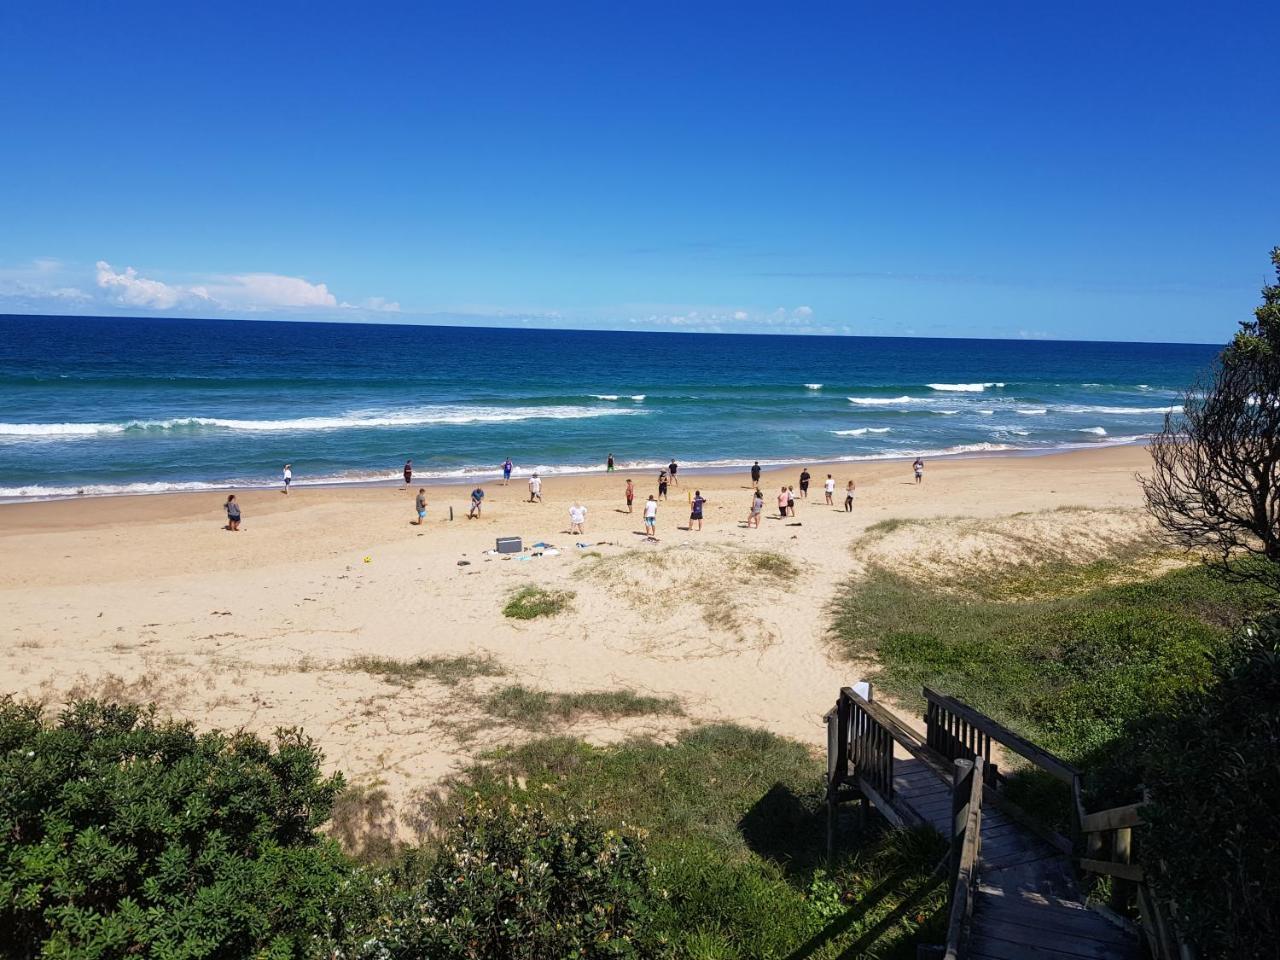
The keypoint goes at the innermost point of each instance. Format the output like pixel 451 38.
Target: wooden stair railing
pixel 966 851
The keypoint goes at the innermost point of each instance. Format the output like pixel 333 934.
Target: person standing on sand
pixel 631 494
pixel 651 518
pixel 288 478
pixel 662 484
pixel 577 518
pixel 848 497
pixel 608 464
pixel 408 472
pixel 755 474
pixel 918 469
pixel 782 503
pixel 695 509
pixel 535 489
pixel 420 504
pixel 757 507
pixel 233 512
pixel 477 501
pixel 791 501
pixel 804 482
pixel 672 467
pixel 507 467
pixel 829 488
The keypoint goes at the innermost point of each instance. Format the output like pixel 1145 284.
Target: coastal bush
pixel 513 882
pixel 733 822
pixel 529 603
pixel 1213 821
pixel 125 835
pixel 449 671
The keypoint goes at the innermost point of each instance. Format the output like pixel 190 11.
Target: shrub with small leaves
pixel 512 882
pixel 124 835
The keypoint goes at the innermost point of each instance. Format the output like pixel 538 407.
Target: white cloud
pixel 132 290
pixel 257 291
pixel 741 315
pixel 803 311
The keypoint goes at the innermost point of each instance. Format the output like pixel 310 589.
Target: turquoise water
pixel 98 405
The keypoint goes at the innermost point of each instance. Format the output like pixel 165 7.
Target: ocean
pixel 137 405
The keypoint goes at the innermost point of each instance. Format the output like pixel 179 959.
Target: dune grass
pixel 734 823
pixel 530 603
pixel 1065 655
pixel 538 709
pixel 449 671
pixel 773 565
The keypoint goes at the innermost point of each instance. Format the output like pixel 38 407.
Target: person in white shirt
pixel 651 517
pixel 829 488
pixel 535 489
pixel 577 518
pixel 288 478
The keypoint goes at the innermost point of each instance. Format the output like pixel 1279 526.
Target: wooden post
pixel 1122 852
pixel 960 789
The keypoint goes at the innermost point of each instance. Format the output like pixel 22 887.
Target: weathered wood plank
pixel 985 945
pixel 1125 871
pixel 1114 819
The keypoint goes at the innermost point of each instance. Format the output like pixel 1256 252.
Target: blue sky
pixel 1096 171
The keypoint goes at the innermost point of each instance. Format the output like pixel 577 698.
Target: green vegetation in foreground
pixel 536 709
pixel 1065 656
pixel 449 671
pixel 773 564
pixel 529 603
pixel 733 821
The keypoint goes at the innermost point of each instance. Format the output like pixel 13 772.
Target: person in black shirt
pixel 804 483
pixel 755 474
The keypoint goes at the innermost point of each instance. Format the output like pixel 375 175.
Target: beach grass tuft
pixel 529 603
pixel 449 671
pixel 538 709
pixel 772 564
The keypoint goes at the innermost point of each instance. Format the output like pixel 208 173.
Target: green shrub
pixel 1213 771
pixel 529 603
pixel 513 882
pixel 122 835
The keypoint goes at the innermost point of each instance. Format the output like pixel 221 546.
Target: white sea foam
pixel 962 387
pixel 881 401
pixel 1016 431
pixel 860 431
pixel 424 416
pixel 813 386
pixel 605 396
pixel 1032 411
pixel 945 413
pixel 1097 431
pixel 638 397
pixel 1116 411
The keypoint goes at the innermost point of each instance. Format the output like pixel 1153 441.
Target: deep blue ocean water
pixel 104 405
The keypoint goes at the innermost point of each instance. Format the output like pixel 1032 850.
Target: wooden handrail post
pixel 961 785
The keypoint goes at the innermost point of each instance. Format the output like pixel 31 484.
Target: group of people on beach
pixel 667 477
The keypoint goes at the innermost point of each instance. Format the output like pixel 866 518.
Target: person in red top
pixel 631 494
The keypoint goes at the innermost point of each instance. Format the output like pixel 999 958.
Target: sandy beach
pixel 149 597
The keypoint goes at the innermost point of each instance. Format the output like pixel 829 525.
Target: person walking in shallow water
pixel 507 467
pixel 408 472
pixel 608 464
pixel 287 477
pixel 233 512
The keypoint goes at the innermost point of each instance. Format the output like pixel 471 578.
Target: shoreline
pixel 465 477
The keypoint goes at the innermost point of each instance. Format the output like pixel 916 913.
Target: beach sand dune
pixel 398 665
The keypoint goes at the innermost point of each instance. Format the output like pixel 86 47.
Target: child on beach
pixel 577 518
pixel 791 501
pixel 662 484
pixel 631 494
pixel 477 500
pixel 233 512
pixel 804 483
pixel 695 509
pixel 848 498
pixel 288 478
pixel 535 489
pixel 507 467
pixel 829 488
pixel 420 504
pixel 651 518
pixel 918 468
pixel 757 507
